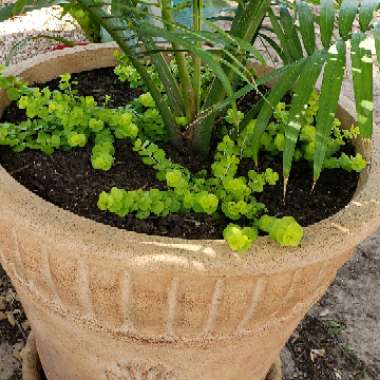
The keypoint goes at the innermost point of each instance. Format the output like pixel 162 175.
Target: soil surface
pixel 68 180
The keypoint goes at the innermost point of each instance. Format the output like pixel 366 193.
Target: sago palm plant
pixel 223 48
pixel 292 32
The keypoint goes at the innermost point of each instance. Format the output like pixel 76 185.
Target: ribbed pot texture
pixel 105 303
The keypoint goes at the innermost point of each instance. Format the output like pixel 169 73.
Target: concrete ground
pixel 338 339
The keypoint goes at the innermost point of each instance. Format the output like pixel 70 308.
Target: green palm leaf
pixel 180 58
pixel 275 46
pixel 274 97
pixel 275 75
pixel 22 6
pixel 307 28
pixel 206 56
pixel 289 28
pixel 326 21
pixel 115 26
pixel 367 8
pixel 328 102
pixel 187 37
pixel 247 22
pixel 362 75
pixel 280 34
pixel 231 42
pixel 347 13
pixel 302 92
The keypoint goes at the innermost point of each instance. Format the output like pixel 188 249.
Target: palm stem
pixel 183 72
pixel 170 84
pixel 197 26
pixel 245 26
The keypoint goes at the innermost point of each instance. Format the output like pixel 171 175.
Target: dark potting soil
pixel 68 180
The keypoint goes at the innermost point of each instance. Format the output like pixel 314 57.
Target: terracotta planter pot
pixel 110 304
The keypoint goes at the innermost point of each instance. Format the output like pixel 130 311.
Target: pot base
pixel 31 365
pixel 32 369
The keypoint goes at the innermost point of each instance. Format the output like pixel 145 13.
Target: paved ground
pixel 339 338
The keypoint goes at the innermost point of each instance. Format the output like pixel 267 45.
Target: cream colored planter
pixel 110 304
pixel 31 365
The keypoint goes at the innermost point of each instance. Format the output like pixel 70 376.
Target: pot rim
pixel 322 241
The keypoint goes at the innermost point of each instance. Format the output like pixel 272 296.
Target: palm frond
pixel 302 92
pixel 276 94
pixel 22 6
pixel 326 21
pixel 328 102
pixel 307 27
pixel 366 11
pixel 362 75
pixel 275 46
pixel 280 34
pixel 331 15
pixel 274 75
pixel 115 25
pixel 292 38
pixel 184 75
pixel 348 11
pixel 246 24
